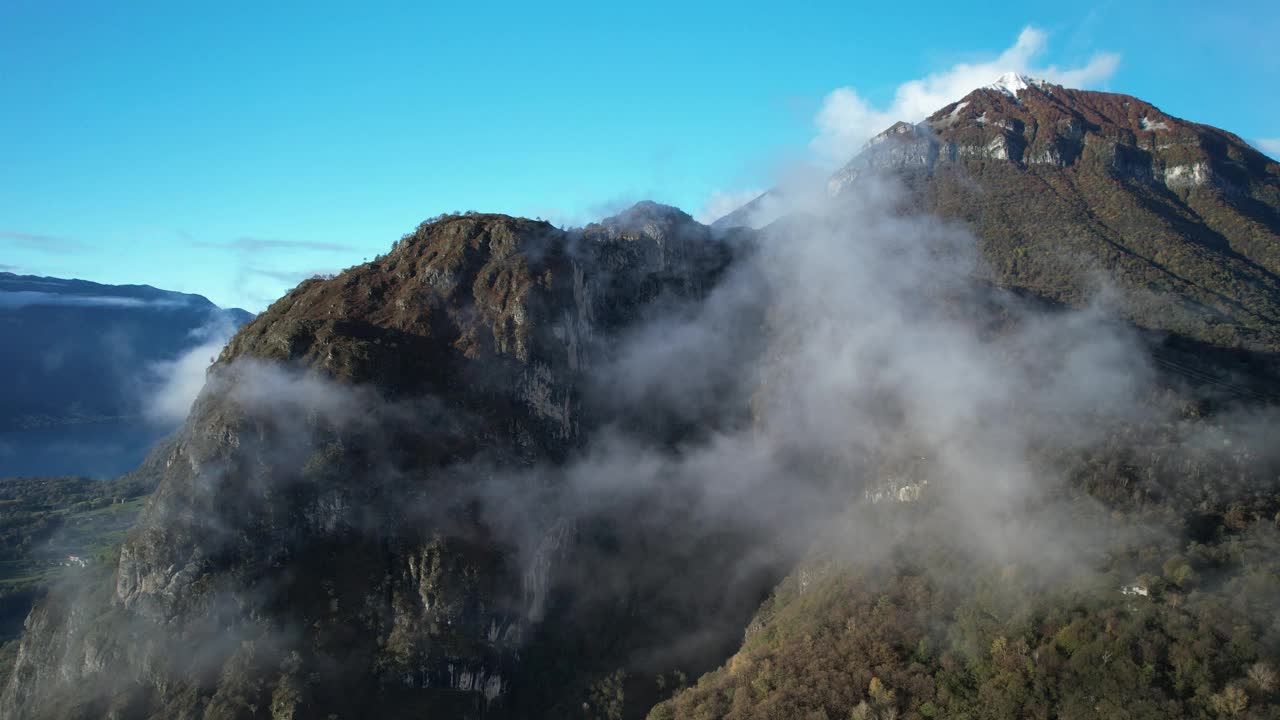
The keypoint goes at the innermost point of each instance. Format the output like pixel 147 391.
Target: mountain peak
pixel 1012 83
pixel 1169 191
pixel 648 219
pixel 1030 122
pixel 648 212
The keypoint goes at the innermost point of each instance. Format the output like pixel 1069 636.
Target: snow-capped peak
pixel 1011 83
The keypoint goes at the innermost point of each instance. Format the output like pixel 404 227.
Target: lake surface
pixel 100 450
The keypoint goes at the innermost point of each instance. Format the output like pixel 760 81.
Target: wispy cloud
pixel 176 383
pixel 722 202
pixel 1270 146
pixel 252 245
pixel 8 268
pixel 847 119
pixel 25 298
pixel 42 242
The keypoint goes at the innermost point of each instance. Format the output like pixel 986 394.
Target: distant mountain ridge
pixel 39 289
pixel 84 355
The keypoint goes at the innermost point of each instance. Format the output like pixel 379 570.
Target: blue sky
pixel 232 152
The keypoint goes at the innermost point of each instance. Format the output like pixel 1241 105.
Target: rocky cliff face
pixel 320 543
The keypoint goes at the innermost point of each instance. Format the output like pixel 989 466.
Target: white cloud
pixel 1270 146
pixel 24 298
pixel 723 202
pixel 178 382
pixel 847 120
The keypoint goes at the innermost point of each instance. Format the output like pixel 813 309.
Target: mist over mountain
pixel 96 372
pixel 979 428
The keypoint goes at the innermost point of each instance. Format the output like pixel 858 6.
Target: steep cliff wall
pixel 321 543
